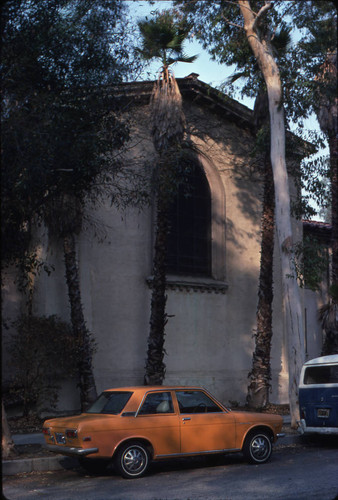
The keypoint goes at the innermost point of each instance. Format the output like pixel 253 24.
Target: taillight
pixel 46 430
pixel 71 433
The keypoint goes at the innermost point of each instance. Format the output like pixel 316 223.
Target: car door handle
pixel 186 418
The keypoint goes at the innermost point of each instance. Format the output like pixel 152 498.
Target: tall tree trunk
pixel 260 375
pixel 328 313
pixel 155 367
pixel 291 295
pixel 328 121
pixel 333 145
pixel 167 131
pixel 7 444
pixel 88 392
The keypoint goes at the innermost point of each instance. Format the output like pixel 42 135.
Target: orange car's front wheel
pixel 132 460
pixel 257 447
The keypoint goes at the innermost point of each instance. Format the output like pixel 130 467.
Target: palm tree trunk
pixel 333 145
pixel 155 367
pixel 260 375
pixel 88 392
pixel 167 132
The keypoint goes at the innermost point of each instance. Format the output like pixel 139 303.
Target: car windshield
pixel 110 402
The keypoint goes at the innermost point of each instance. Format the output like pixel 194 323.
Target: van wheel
pixel 132 460
pixel 257 447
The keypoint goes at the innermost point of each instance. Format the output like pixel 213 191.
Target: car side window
pixel 157 403
pixel 196 402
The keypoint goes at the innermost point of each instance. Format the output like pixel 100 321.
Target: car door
pixel 205 425
pixel 158 422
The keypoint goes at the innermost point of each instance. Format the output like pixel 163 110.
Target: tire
pixel 132 460
pixel 257 447
pixel 93 465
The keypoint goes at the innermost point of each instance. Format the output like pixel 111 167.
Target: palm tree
pixel 328 121
pixel 64 220
pixel 260 374
pixel 162 38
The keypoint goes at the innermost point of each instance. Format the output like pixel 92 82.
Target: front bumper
pixel 71 451
pixel 303 429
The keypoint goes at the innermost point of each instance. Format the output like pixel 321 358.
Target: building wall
pixel 209 336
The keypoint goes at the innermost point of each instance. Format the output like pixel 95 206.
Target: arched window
pixel 189 241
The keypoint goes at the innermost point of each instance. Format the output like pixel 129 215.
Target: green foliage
pixel 317 22
pixel 311 262
pixel 43 352
pixel 59 134
pixel 219 27
pixel 333 293
pixel 163 38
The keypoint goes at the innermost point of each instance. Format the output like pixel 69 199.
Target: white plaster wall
pixel 209 340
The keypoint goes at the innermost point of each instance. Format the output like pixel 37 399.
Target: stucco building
pixel 212 296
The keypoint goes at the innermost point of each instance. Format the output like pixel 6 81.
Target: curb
pixel 12 467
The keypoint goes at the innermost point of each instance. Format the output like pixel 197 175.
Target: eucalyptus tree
pixel 61 129
pixel 233 32
pixel 163 38
pixel 260 374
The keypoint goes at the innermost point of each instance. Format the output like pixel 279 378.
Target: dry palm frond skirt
pixel 167 112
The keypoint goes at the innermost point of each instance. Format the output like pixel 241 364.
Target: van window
pixel 321 375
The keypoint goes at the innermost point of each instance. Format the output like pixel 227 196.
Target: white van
pixel 318 396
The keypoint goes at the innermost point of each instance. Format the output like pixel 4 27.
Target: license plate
pixel 323 412
pixel 60 438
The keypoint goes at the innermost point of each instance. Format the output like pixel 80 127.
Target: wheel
pixel 257 447
pixel 132 460
pixel 93 465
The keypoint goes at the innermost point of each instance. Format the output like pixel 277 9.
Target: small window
pixel 321 375
pixel 157 403
pixel 196 402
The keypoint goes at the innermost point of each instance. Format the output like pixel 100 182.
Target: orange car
pixel 134 425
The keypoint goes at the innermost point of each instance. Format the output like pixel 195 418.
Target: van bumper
pixel 303 429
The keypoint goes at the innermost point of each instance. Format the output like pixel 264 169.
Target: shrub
pixel 43 351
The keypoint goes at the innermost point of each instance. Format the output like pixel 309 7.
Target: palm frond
pixel 163 38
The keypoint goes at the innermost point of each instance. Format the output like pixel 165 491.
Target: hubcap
pixel 259 447
pixel 134 460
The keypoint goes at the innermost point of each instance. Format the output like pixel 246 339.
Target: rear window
pixel 110 402
pixel 321 375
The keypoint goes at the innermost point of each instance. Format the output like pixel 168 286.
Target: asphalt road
pixel 296 472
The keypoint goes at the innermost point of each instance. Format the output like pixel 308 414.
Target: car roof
pixel 147 388
pixel 333 358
